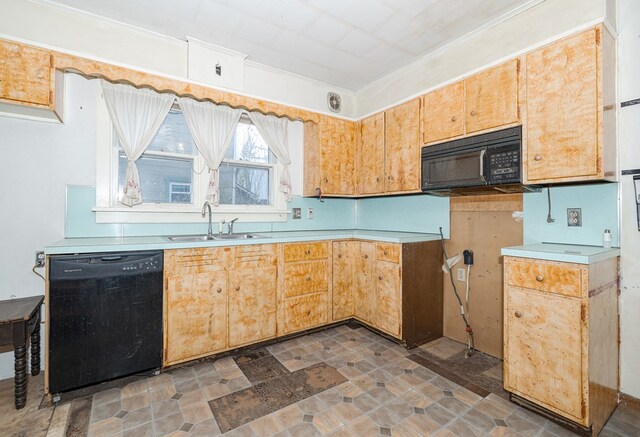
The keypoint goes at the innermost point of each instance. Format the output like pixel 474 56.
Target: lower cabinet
pixel 253 282
pixel 396 288
pixel 195 295
pixel 561 336
pixel 304 292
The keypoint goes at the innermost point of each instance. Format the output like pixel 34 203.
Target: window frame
pixel 109 210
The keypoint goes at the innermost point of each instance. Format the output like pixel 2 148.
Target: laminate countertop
pixel 118 244
pixel 570 253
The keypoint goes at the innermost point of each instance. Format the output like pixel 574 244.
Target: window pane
pixel 157 178
pixel 240 185
pixel 173 136
pixel 248 145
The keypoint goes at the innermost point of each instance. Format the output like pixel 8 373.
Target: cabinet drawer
pixel 552 277
pixel 305 251
pixel 305 277
pixel 304 312
pixel 254 256
pixel 196 260
pixel 388 252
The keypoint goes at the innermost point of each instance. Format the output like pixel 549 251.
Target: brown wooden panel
pixel 252 305
pixel 388 298
pixel 306 277
pixel 388 252
pixel 443 113
pixel 196 315
pixel 337 149
pixel 402 147
pixel 344 253
pixel 306 251
pixel 562 110
pixel 312 171
pixel 543 350
pixel 422 292
pixel 498 202
pixel 491 97
pixel 365 300
pixel 561 278
pixel 304 312
pixel 370 162
pixel 203 259
pixel 25 74
pixel 254 256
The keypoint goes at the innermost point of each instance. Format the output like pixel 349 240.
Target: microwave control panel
pixel 504 166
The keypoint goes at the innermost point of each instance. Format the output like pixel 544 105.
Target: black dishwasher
pixel 105 317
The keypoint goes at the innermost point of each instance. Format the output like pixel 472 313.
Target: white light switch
pixel 310 213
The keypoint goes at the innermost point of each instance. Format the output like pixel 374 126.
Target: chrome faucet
pixel 206 206
pixel 231 222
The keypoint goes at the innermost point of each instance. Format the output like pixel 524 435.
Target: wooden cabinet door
pixel 402 147
pixel 25 74
pixel 312 157
pixel 343 278
pixel 365 299
pixel 443 113
pixel 563 133
pixel 196 315
pixel 337 147
pixel 543 350
pixel 491 97
pixel 370 160
pixel 252 305
pixel 388 297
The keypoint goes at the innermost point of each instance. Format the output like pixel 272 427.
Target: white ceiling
pixel 347 43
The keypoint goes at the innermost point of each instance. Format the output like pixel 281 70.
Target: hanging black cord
pixel 455 290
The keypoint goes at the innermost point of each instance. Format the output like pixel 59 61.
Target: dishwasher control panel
pixel 148 264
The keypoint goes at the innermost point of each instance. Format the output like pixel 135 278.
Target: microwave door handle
pixel 482 153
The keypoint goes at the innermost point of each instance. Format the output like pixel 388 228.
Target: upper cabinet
pixel 443 115
pixel 27 82
pixel 329 157
pixel 402 147
pixel 370 156
pixel 491 97
pixel 570 110
pixel 484 101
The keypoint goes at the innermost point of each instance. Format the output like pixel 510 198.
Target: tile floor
pixel 343 381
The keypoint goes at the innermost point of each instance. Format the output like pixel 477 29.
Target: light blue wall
pixel 415 213
pixel 599 203
pixel 80 221
pixel 418 213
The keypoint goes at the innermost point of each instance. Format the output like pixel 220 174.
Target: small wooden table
pixel 19 319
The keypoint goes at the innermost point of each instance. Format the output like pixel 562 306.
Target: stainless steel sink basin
pixel 237 236
pixel 196 238
pixel 189 238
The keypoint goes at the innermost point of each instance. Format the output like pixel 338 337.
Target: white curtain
pixel 212 127
pixel 136 115
pixel 274 132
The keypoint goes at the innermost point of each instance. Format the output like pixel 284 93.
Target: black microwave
pixel 491 160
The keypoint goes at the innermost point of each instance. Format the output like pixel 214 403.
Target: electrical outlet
pixel 297 213
pixel 40 259
pixel 310 213
pixel 461 274
pixel 574 216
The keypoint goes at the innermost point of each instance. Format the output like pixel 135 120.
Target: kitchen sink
pixel 189 238
pixel 195 238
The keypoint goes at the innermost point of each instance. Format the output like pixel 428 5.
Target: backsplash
pixel 418 213
pixel 414 213
pixel 599 204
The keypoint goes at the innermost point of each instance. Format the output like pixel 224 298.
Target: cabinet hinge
pixel 598 36
pixel 583 312
pixel 584 408
pixel 50 97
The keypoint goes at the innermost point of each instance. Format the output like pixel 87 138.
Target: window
pixel 166 166
pixel 246 173
pixel 174 177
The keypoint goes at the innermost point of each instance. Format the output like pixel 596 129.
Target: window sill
pixel 154 214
